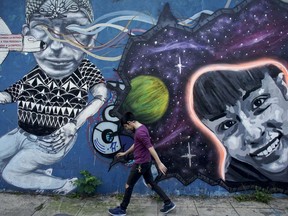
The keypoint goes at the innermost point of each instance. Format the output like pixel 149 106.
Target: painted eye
pixel 257 102
pixel 226 125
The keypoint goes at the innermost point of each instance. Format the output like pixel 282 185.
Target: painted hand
pixel 5 98
pixel 56 141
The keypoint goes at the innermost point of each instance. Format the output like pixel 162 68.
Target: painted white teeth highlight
pixel 270 149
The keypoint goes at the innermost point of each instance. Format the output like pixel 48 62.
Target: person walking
pixel 142 149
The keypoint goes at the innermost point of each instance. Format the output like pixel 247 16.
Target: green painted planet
pixel 148 99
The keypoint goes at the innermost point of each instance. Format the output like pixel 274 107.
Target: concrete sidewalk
pixel 38 205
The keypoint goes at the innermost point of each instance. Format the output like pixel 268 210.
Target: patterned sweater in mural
pixel 46 104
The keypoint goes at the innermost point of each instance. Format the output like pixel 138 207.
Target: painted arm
pixel 99 92
pixel 160 165
pixel 5 98
pixel 60 138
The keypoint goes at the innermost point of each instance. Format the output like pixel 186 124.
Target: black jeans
pixel 136 172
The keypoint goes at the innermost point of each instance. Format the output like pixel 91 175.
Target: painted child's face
pixel 255 129
pixel 60 59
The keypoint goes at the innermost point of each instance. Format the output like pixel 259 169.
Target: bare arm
pixel 131 149
pixel 5 98
pixel 160 165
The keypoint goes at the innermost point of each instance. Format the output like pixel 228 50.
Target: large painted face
pixel 255 129
pixel 59 59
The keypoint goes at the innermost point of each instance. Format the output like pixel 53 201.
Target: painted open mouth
pixel 267 149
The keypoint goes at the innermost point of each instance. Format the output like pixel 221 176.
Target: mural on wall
pixel 243 110
pixel 52 98
pixel 159 65
pixel 165 77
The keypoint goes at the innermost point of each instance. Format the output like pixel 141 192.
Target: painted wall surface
pixel 208 78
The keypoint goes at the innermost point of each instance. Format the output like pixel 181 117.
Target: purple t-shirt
pixel 142 143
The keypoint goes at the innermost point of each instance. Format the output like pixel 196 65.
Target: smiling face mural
pixel 251 149
pixel 245 109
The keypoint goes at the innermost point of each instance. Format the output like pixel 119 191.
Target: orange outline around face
pixel 190 99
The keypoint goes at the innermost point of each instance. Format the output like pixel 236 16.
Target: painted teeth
pixel 270 149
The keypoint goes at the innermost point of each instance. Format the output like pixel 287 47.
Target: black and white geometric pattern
pixel 46 104
pixel 53 8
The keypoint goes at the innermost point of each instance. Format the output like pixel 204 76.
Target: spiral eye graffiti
pixel 105 138
pixel 105 134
